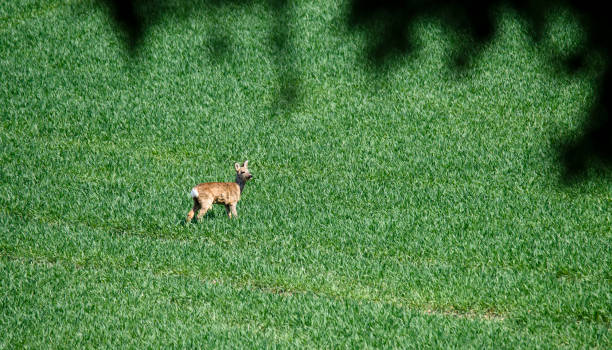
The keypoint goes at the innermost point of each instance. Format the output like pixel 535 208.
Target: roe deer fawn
pixel 228 193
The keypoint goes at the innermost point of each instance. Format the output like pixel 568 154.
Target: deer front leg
pixel 233 212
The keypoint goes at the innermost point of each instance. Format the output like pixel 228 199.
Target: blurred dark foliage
pixel 386 23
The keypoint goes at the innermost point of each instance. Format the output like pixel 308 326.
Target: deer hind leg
pixel 196 207
pixel 227 210
pixel 205 204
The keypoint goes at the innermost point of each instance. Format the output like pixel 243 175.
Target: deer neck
pixel 240 183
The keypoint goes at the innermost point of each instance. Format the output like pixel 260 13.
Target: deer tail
pixel 194 193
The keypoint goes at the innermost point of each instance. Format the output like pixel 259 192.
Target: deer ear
pixel 236 166
pixel 246 162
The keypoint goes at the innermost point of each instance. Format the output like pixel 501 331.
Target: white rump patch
pixel 194 193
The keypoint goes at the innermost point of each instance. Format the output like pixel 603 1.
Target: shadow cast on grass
pixel 590 152
pixel 385 23
pixel 134 18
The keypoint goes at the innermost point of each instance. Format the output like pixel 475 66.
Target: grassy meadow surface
pixel 405 206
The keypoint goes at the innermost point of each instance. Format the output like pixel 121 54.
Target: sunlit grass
pixel 392 206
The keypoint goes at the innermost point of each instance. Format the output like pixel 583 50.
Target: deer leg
pixel 227 210
pixel 196 207
pixel 204 206
pixel 233 210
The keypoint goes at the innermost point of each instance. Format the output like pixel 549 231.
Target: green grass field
pixel 404 206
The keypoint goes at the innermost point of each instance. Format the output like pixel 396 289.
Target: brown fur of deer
pixel 227 193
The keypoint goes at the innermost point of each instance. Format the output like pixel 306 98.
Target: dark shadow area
pixel 129 21
pixel 386 24
pixel 289 83
pixel 218 45
pixel 592 148
pixel 133 19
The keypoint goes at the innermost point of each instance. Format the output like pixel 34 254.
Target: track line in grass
pixel 50 262
pixel 105 301
pixel 284 288
pixel 25 254
pixel 490 316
